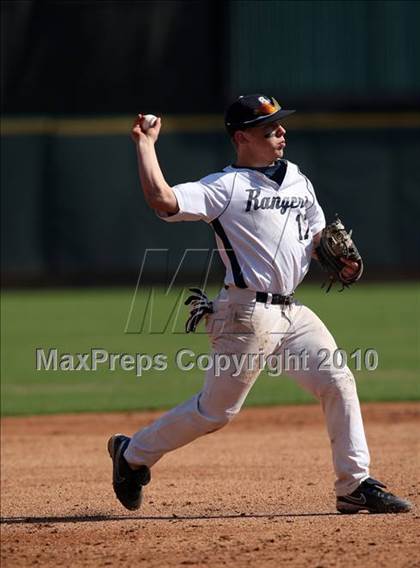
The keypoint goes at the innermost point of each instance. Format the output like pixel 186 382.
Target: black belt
pixel 275 298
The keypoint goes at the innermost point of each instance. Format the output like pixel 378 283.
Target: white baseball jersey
pixel 263 228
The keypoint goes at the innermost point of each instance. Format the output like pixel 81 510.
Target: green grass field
pixel 384 317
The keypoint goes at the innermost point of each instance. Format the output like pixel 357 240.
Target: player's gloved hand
pixel 350 270
pixel 338 255
pixel 200 305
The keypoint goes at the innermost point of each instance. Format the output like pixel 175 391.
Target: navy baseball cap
pixel 253 110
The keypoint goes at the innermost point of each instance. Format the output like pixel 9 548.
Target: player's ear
pixel 240 137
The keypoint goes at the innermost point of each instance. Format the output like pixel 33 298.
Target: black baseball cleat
pixel 128 483
pixel 370 496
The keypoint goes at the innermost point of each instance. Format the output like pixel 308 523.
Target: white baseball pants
pixel 240 326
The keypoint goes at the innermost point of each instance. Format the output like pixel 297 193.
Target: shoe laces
pixel 377 489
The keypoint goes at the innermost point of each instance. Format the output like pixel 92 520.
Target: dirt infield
pixel 257 493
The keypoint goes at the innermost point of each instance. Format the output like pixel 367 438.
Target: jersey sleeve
pixel 202 200
pixel 314 212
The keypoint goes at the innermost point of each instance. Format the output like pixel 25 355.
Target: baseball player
pixel 267 223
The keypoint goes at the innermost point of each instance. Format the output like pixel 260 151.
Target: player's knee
pixel 342 385
pixel 216 418
pixel 217 422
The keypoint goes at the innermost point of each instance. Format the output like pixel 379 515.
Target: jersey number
pixel 303 226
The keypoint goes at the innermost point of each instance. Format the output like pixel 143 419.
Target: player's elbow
pixel 166 203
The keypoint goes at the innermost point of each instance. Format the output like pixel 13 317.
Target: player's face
pixel 266 142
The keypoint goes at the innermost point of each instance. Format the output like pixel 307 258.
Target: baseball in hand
pixel 148 121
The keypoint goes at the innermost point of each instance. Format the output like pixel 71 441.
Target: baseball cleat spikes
pixel 127 483
pixel 370 496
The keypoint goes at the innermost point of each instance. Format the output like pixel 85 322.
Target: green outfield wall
pixel 320 52
pixel 71 201
pixel 190 56
pixel 75 73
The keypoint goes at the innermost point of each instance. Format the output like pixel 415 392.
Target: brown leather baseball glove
pixel 335 247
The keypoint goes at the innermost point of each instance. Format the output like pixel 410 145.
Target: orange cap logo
pixel 267 106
